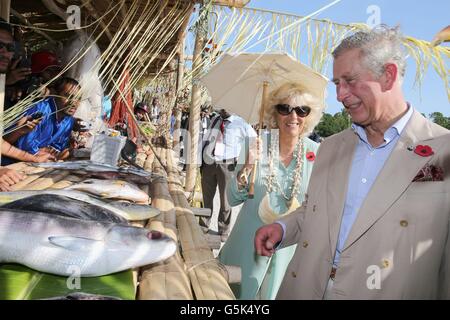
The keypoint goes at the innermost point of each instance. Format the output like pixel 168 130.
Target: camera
pixel 36 115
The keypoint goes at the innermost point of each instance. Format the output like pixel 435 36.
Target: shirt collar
pixel 231 118
pixel 395 130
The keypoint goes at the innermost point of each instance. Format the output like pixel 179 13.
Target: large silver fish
pixel 112 189
pixel 129 211
pixel 73 247
pixel 65 206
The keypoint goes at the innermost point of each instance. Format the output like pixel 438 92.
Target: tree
pixel 332 124
pixel 440 119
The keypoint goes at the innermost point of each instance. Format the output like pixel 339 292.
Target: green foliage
pixel 21 283
pixel 332 124
pixel 440 119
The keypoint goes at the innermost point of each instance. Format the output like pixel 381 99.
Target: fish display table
pixel 192 273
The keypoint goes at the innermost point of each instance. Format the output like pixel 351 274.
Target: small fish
pixel 131 215
pixel 112 189
pixel 59 245
pixel 144 211
pixel 65 206
pixel 101 170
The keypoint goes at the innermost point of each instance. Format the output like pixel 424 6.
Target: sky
pixel 419 19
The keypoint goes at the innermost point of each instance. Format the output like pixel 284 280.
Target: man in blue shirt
pixel 52 133
pixel 376 222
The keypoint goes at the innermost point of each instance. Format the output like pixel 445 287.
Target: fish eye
pixel 154 235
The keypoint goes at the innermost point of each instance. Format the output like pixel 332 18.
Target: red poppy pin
pixel 424 151
pixel 310 156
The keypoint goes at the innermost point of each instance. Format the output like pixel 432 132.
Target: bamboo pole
pixel 66 182
pixel 194 114
pixel 181 39
pixel 5 7
pixel 208 277
pixel 251 189
pixel 21 185
pixel 166 280
pixel 46 181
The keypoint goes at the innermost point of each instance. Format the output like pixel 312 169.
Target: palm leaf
pixel 21 283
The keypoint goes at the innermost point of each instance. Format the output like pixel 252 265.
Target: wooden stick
pixel 251 191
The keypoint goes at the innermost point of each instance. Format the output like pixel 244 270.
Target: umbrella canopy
pixel 236 82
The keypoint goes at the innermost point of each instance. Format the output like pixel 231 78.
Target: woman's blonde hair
pixel 287 91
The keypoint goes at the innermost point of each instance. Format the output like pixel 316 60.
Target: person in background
pixel 376 222
pixel 52 134
pixel 155 111
pixel 282 176
pixel 140 111
pixel 8 177
pixel 227 135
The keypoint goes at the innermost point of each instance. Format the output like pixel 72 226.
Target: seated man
pixel 52 133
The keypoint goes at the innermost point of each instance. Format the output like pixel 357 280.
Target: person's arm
pixel 24 125
pixel 10 151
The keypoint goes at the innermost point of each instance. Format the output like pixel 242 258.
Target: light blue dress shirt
pixel 366 165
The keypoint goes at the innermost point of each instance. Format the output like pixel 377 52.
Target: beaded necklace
pixel 271 180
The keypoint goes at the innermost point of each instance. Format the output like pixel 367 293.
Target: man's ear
pixel 390 76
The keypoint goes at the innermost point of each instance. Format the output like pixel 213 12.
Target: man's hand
pixel 266 238
pixel 44 156
pixel 17 74
pixel 63 155
pixel 8 178
pixel 27 124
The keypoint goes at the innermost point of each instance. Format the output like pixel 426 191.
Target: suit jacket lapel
pixel 397 174
pixel 338 183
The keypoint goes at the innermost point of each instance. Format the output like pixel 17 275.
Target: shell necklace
pixel 272 184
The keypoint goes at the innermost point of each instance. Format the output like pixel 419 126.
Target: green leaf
pixel 21 283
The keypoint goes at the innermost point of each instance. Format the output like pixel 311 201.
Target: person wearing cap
pixel 45 66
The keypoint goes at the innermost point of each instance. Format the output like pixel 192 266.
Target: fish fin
pixel 73 243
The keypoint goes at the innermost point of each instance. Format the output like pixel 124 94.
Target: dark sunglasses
pixel 285 109
pixel 8 46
